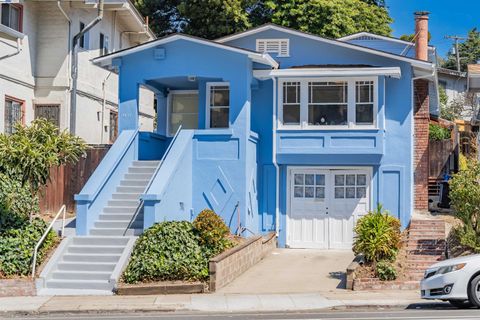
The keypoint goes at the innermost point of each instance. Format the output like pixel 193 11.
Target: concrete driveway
pixel 295 271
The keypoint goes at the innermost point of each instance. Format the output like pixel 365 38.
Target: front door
pixel 183 110
pixel 325 205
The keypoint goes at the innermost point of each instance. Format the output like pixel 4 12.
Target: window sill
pixel 327 128
pixel 11 32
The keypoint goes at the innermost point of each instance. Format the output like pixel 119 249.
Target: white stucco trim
pixel 414 62
pixel 11 32
pixel 255 56
pixel 393 72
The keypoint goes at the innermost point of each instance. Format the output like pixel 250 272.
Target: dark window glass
pixel 12 115
pixel 49 112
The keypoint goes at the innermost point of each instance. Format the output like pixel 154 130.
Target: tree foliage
pixel 469 52
pixel 215 18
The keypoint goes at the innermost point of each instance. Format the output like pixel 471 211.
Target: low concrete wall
pixel 17 287
pixel 227 266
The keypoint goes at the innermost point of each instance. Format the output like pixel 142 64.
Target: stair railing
pixel 63 210
pixel 140 205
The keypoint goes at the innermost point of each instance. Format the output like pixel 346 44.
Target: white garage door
pixel 324 206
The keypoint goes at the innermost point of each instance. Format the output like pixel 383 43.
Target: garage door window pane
pixel 309 192
pixel 361 179
pixel 320 192
pixel 350 180
pixel 320 179
pixel 339 180
pixel 350 192
pixel 298 179
pixel 298 192
pixel 361 192
pixel 309 179
pixel 339 193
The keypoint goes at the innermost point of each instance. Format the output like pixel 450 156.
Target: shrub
pixel 213 233
pixel 377 236
pixel 438 133
pixel 386 271
pixel 15 201
pixel 463 162
pixel 17 243
pixel 167 251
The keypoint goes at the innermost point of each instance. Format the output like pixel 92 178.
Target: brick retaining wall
pixel 377 284
pixel 17 287
pixel 227 266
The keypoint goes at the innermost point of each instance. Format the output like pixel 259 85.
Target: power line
pixel 457 54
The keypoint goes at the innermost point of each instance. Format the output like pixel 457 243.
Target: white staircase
pixel 93 264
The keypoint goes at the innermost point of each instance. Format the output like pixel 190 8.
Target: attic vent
pixel 366 38
pixel 279 46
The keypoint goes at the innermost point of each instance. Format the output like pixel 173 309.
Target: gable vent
pixel 279 46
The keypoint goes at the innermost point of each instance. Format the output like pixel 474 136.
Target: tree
pixel 461 106
pixel 31 151
pixel 469 51
pixel 163 15
pixel 411 37
pixel 331 18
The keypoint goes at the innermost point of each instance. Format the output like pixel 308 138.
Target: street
pixel 428 311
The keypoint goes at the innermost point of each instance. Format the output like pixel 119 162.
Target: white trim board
pixel 255 56
pixel 414 62
pixel 354 36
pixel 393 72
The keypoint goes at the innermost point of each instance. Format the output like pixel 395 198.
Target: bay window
pixel 327 103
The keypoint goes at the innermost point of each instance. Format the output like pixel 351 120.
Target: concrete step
pixel 95 249
pixel 77 257
pixel 134 183
pixel 118 224
pixel 115 232
pixel 151 163
pixel 80 284
pixel 109 209
pixel 149 170
pixel 76 275
pixel 100 241
pixel 138 176
pixel 126 196
pixel 86 266
pixel 131 189
pixel 119 217
pixel 123 203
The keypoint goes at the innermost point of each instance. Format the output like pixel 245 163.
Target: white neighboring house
pixel 35 64
pixel 454 82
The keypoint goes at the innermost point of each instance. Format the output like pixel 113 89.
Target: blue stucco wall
pixel 388 150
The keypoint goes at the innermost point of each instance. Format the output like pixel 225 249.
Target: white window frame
pixel 279 51
pixel 208 86
pixel 169 105
pixel 351 104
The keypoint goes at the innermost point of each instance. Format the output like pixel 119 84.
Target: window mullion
pixel 304 103
pixel 351 103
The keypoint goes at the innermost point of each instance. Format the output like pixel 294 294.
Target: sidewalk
pixel 209 302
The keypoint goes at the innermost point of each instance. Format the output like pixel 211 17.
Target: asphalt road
pixel 434 313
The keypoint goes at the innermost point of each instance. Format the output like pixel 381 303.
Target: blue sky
pixel 447 17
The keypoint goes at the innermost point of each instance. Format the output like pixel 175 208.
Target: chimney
pixel 421 35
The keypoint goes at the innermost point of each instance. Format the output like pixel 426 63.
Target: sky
pixel 447 17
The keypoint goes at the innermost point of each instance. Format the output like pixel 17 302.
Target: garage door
pixel 324 206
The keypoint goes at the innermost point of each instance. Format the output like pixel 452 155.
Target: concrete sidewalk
pixel 209 302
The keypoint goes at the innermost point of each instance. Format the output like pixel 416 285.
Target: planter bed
pixel 164 287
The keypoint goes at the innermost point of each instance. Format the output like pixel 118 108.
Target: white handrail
pixel 39 243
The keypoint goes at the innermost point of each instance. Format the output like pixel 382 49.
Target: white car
pixel 454 280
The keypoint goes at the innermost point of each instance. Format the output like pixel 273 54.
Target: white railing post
pixel 63 210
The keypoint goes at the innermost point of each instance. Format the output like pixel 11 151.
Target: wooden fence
pixel 66 181
pixel 441 154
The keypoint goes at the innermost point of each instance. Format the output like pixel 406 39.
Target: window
pixel 113 126
pixel 49 112
pixel 85 39
pixel 328 103
pixel 103 44
pixel 13 114
pixel 291 102
pixel 281 47
pixel 12 16
pixel 309 186
pixel 350 186
pixel 218 102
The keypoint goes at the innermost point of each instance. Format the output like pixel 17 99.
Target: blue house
pixel 273 129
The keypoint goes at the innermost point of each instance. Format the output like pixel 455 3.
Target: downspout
pixel 69 54
pixel 74 70
pixel 104 100
pixel 274 157
pixel 19 49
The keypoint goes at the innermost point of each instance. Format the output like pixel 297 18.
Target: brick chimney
pixel 421 118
